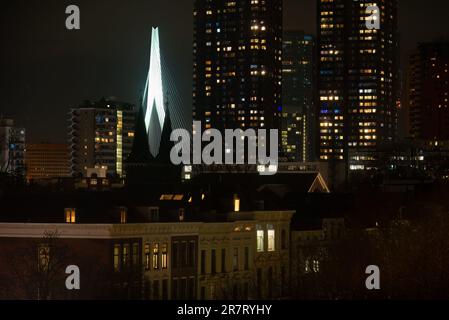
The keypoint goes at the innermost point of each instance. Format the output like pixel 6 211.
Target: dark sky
pixel 46 69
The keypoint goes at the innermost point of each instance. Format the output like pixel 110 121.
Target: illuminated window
pixel 164 256
pixel 236 203
pixel 117 258
pixel 260 239
pixel 178 197
pixel 156 256
pixel 119 150
pixel 147 257
pixel 271 238
pixel 166 197
pixel 182 213
pixel 70 215
pixel 312 266
pixel 307 266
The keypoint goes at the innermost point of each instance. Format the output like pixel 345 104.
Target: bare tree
pixel 39 269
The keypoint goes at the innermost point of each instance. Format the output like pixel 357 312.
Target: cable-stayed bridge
pixel 161 93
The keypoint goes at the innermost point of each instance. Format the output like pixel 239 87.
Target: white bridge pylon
pixel 154 94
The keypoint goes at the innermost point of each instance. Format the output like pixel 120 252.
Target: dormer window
pixel 181 214
pixel 70 215
pixel 236 203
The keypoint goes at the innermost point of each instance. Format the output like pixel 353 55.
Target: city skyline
pixel 101 60
pixel 125 199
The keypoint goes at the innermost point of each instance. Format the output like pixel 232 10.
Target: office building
pixel 45 160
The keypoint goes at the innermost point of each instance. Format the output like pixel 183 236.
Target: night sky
pixel 45 69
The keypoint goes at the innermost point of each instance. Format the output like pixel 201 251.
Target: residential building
pixel 429 92
pixel 101 136
pixel 146 252
pixel 237 64
pixel 358 89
